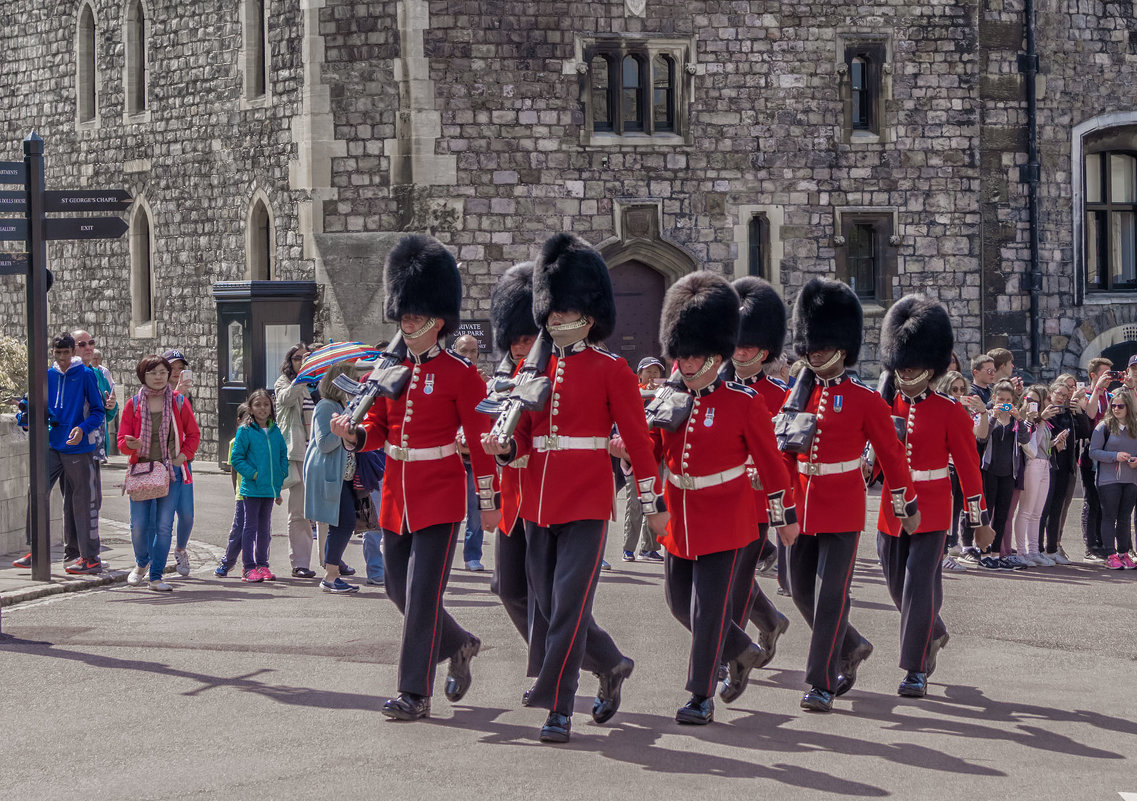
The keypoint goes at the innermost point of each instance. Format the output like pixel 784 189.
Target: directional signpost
pixel 36 229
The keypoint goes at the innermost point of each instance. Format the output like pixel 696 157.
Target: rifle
pixel 388 379
pixel 670 406
pixel 529 392
pixel 498 388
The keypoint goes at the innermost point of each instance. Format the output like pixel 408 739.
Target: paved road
pixel 272 691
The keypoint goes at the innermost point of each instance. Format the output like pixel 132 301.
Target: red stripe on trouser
pixel 840 614
pixel 438 606
pixel 722 625
pixel 579 617
pixel 932 618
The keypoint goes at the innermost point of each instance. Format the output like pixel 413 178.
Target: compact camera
pixel 1004 407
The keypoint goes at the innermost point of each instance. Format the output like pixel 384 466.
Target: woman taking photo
pixel 294 407
pixel 1068 426
pixel 1113 447
pixel 1036 412
pixel 954 385
pixel 158 427
pixel 328 471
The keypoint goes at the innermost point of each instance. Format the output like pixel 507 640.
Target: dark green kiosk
pixel 257 322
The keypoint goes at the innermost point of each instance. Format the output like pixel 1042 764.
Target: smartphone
pixel 187 375
pixel 1033 407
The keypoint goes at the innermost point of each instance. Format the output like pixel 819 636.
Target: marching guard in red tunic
pixel 828 329
pixel 761 336
pixel 514 331
pixel 567 489
pixel 714 516
pixel 424 488
pixel 915 350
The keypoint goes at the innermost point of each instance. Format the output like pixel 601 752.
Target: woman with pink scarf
pixel 157 426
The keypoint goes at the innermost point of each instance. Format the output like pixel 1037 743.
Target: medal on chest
pixel 838 402
pixel 428 386
pixel 709 419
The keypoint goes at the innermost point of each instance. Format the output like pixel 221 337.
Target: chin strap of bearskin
pixel 650 500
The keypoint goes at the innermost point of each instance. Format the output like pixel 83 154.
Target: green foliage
pixel 13 371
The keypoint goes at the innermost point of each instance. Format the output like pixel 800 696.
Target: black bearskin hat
pixel 700 317
pixel 762 322
pixel 571 276
pixel 421 277
pixel 511 306
pixel 828 314
pixel 917 333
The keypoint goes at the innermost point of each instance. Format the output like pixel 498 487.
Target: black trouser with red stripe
pixel 511 585
pixel 913 570
pixel 821 570
pixel 698 594
pixel 747 599
pixel 417 567
pixel 563 566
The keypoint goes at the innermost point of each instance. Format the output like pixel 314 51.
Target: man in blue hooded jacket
pixel 76 410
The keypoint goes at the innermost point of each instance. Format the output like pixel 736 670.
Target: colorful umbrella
pixel 317 362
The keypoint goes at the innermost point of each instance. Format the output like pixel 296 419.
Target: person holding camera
pixel 1096 405
pixel 1068 425
pixel 1113 447
pixel 1036 413
pixel 1001 464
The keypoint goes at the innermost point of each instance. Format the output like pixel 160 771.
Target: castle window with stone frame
pixel 254 49
pixel 134 82
pixel 1111 221
pixel 864 69
pixel 86 70
pixel 259 242
pixel 866 253
pixel 634 89
pixel 758 247
pixel 141 272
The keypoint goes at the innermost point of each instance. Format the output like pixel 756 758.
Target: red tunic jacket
pixel 772 394
pixel 592 389
pixel 440 397
pixel 938 427
pixel 848 416
pixel 511 487
pixel 728 424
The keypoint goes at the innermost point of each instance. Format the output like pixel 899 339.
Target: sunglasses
pixel 1117 405
pixel 84 343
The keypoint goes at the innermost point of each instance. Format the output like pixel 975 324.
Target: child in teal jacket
pixel 260 456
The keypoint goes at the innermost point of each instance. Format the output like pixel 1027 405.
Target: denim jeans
pixel 185 514
pixel 236 536
pixel 472 548
pixel 151 530
pixel 373 548
pixel 256 533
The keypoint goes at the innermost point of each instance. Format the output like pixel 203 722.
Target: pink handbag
pixel 146 484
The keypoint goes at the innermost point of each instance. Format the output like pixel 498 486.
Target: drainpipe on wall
pixel 1030 174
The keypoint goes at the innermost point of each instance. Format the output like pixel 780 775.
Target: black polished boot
pixel 608 695
pixel 738 670
pixel 817 700
pixel 915 685
pixel 768 640
pixel 458 677
pixel 407 706
pixel 848 675
pixel 557 728
pixel 699 711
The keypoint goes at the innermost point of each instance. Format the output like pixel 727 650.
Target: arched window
pixel 663 95
pixel 632 101
pixel 85 72
pixel 256 48
pixel 135 39
pixel 600 69
pixel 862 94
pixel 260 243
pixel 141 267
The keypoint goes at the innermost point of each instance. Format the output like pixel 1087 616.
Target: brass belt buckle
pixel 552 443
pixel 686 482
pixel 400 453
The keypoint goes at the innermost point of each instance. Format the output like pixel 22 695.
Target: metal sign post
pixel 39 503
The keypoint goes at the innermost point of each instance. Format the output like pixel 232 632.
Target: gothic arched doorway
pixel 639 293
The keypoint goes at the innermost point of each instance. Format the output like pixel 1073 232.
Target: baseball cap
pixel 175 355
pixel 648 361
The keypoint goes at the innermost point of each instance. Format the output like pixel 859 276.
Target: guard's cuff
pixel 900 507
pixel 650 500
pixel 780 514
pixel 488 500
pixel 504 459
pixel 976 514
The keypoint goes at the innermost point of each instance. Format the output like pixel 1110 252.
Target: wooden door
pixel 639 298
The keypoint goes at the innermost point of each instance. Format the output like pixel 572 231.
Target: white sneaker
pixel 955 550
pixel 182 559
pixel 1020 560
pixel 1059 558
pixel 950 564
pixel 474 566
pixel 160 586
pixel 137 575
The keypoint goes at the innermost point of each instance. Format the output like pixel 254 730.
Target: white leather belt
pixel 555 443
pixel 930 475
pixel 829 468
pixel 420 454
pixel 702 482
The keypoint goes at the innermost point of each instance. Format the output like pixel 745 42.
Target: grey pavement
pixel 227 690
